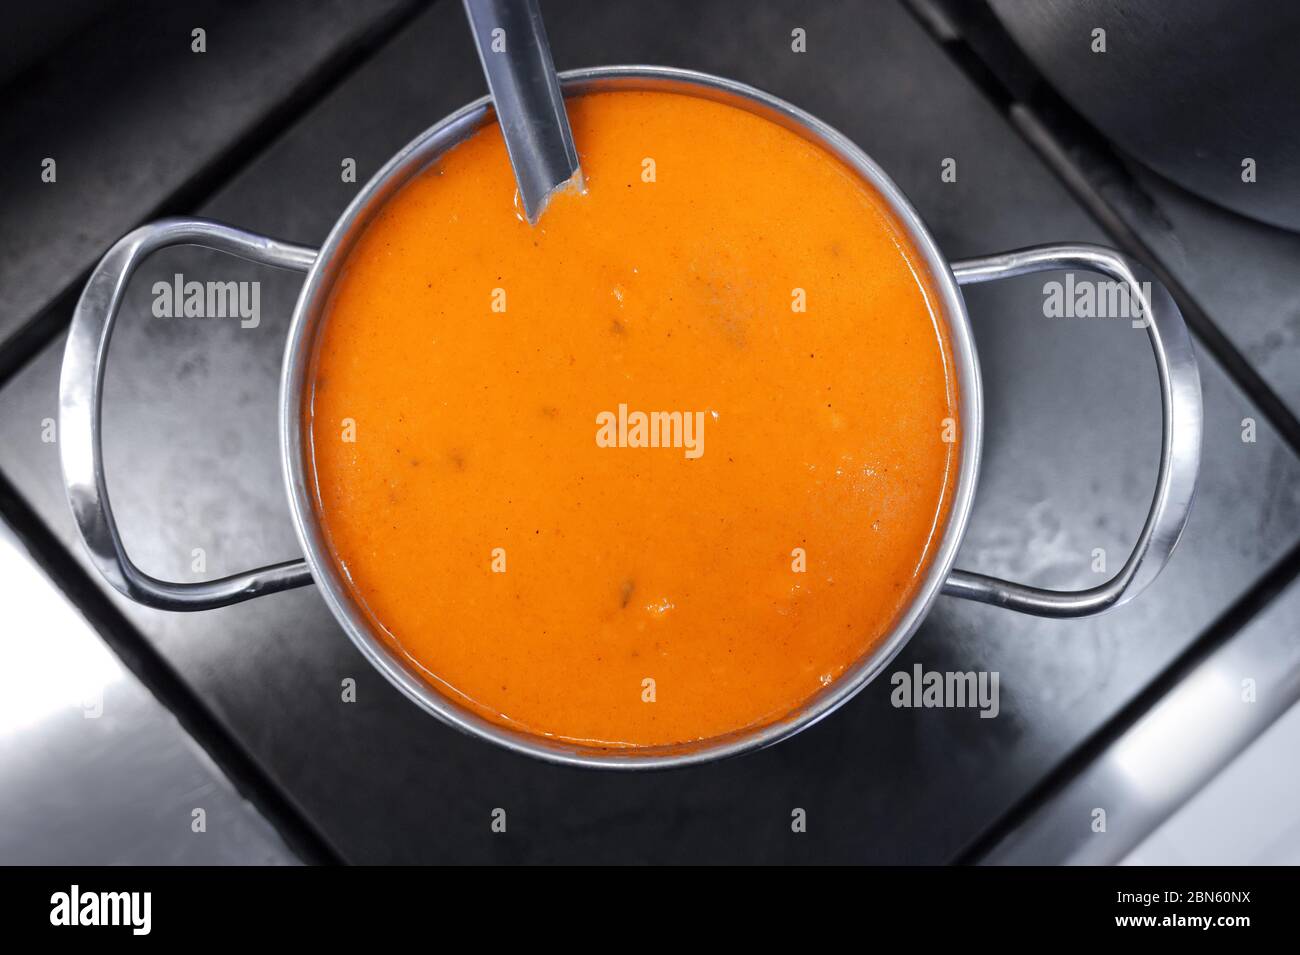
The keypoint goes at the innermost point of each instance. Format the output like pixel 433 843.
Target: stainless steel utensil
pixel 526 94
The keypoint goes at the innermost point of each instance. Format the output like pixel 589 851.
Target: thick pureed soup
pixel 656 469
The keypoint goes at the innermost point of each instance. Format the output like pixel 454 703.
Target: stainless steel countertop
pixel 93 769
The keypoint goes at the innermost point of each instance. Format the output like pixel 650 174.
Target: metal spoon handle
pixel 517 61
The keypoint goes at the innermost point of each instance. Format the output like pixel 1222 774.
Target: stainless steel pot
pixel 81 387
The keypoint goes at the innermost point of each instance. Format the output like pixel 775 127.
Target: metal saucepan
pixel 81 390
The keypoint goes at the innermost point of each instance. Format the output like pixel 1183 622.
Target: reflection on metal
pixel 1147 759
pixel 1248 815
pixel 50 668
pixel 93 770
pixel 1172 752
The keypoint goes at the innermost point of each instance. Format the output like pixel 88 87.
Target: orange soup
pixel 660 467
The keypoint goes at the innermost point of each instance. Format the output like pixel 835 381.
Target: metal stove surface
pixel 1071 448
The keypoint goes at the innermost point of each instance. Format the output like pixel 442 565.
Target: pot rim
pixel 296 370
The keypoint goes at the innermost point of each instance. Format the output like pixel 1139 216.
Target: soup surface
pixel 508 507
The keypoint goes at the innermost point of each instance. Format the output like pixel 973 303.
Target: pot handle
pixel 81 387
pixel 1180 448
